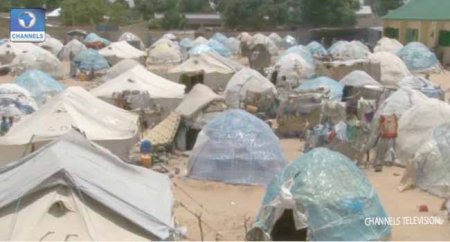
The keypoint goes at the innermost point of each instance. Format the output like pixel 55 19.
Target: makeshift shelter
pixel 418 58
pixel 234 45
pixel 209 68
pixel 386 44
pixel 133 40
pixel 249 88
pixel 164 54
pixel 260 39
pixel 90 60
pixel 334 88
pixel 90 194
pixel 200 40
pixel 325 193
pixel 94 41
pixel 198 107
pixel 430 168
pixel 236 147
pixel 245 37
pixel 118 51
pixel 317 50
pixel 51 44
pixel 423 85
pixel 169 36
pixel 289 41
pixel 9 50
pixel 276 38
pixel 121 67
pixel 359 79
pixel 303 52
pixel 15 101
pixel 74 46
pixel 344 50
pixel 78 34
pixel 219 48
pixel 186 44
pixel 141 82
pixel 416 125
pixel 393 69
pixel 34 58
pixel 290 69
pixel 164 133
pixel 219 37
pixel 201 48
pixel 40 85
pixel 105 124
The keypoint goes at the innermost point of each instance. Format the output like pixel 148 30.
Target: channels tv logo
pixel 27 25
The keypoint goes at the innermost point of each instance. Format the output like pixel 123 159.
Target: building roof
pixel 422 10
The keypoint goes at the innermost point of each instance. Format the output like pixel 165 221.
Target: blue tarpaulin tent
pixel 90 60
pixel 39 84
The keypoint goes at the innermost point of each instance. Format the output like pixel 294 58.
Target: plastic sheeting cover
pixel 344 50
pixel 39 84
pixel 90 59
pixel 418 57
pixel 201 48
pixel 317 49
pixel 294 68
pixel 301 51
pixel 335 88
pixel 359 78
pixel 238 148
pixel 219 37
pixel 186 43
pixel 423 85
pixel 289 41
pixel 93 37
pixel 331 194
pixel 219 48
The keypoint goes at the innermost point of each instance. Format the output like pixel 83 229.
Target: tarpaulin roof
pixel 90 59
pixel 39 84
pixel 121 50
pixel 199 97
pixel 207 63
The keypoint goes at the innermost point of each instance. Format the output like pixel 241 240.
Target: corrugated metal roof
pixel 436 10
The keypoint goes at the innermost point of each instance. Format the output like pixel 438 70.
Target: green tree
pixel 5 5
pixel 80 12
pixel 173 16
pixel 118 12
pixel 382 7
pixel 329 12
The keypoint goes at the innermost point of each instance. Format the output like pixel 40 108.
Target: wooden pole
pixel 199 220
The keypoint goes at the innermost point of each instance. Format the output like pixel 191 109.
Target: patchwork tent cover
pixel 140 196
pixel 130 37
pixel 236 147
pixel 207 63
pixel 423 85
pixel 393 69
pixel 121 50
pixel 359 78
pixel 344 50
pixel 198 98
pixel 416 126
pixel 78 108
pixel 330 196
pixel 37 59
pixel 93 38
pixel 140 79
pixel 164 132
pixel 39 84
pixel 418 58
pixel 74 46
pixel 246 80
pixel 15 100
pixel 200 48
pixel 219 48
pixel 164 54
pixel 91 60
pixel 335 88
pixel 430 168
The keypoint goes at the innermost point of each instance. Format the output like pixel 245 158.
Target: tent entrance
pixel 190 79
pixel 191 138
pixel 284 228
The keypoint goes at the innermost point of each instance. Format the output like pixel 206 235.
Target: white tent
pixel 244 81
pixel 416 125
pixel 260 39
pixel 393 69
pixel 15 100
pixel 140 79
pixel 359 78
pixel 344 50
pixel 388 45
pixel 293 68
pixel 51 44
pixel 74 46
pixel 119 68
pixel 198 98
pixel 85 194
pixel 199 41
pixel 276 38
pixel 121 50
pixel 132 38
pixel 112 127
pixel 38 59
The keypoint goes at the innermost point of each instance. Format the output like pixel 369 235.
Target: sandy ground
pixel 226 210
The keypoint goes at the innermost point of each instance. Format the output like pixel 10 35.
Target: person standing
pixel 386 141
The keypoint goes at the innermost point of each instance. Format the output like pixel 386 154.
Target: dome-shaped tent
pixel 219 37
pixel 388 45
pixel 37 59
pixel 92 40
pixel 186 44
pixel 358 78
pixel 39 84
pixel 292 68
pixel 15 101
pixel 201 48
pixel 328 195
pixel 289 41
pixel 118 51
pixel 276 38
pixel 236 147
pixel 132 39
pixel 344 50
pixel 260 39
pixel 164 54
pixel 334 87
pixel 51 44
pixel 90 60
pixel 418 58
pixel 423 85
pixel 393 69
pixel 246 83
pixel 317 49
pixel 303 52
pixel 234 45
pixel 219 48
pixel 74 46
